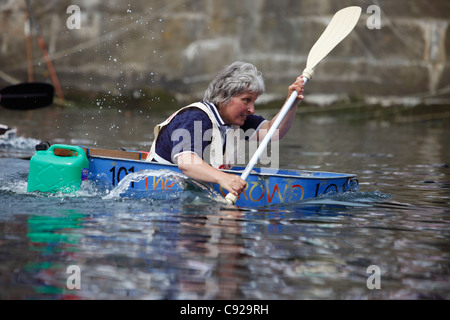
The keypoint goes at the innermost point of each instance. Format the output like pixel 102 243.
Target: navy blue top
pixel 193 124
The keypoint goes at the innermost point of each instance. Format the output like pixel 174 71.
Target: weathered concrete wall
pixel 126 46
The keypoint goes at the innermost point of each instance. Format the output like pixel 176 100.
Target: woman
pixel 194 137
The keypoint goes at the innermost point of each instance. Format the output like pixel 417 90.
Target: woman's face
pixel 238 108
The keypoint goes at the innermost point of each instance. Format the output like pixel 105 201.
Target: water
pixel 182 248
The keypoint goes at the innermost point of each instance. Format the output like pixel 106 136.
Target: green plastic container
pixel 59 168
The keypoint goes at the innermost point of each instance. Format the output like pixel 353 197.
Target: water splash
pixel 17 147
pixel 348 199
pixel 187 188
pixel 13 186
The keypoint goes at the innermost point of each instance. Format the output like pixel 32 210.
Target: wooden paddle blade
pixel 27 96
pixel 342 23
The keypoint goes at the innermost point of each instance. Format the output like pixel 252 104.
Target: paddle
pixel 339 27
pixel 26 96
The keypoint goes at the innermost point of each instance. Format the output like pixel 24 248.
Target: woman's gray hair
pixel 234 79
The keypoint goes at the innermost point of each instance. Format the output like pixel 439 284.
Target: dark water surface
pixel 398 222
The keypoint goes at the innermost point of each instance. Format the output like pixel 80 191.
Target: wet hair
pixel 234 79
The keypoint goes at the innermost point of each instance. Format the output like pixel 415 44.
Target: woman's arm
pixel 195 167
pixel 289 118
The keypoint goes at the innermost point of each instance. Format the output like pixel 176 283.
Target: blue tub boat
pixel 107 168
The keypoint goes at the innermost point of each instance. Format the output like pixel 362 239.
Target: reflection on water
pixel 315 250
pixel 53 238
pixel 180 249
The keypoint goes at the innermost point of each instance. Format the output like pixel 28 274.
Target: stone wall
pixel 130 46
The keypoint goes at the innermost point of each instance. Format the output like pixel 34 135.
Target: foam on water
pixel 18 143
pixel 14 186
pixel 346 199
pixel 198 190
pixel 18 147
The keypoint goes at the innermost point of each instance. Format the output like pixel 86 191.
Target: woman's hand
pixel 298 86
pixel 231 182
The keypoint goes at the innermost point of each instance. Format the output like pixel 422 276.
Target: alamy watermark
pixel 74 280
pixel 374 280
pixel 74 20
pixel 374 21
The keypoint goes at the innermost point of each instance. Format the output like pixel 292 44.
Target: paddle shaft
pixel 263 145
